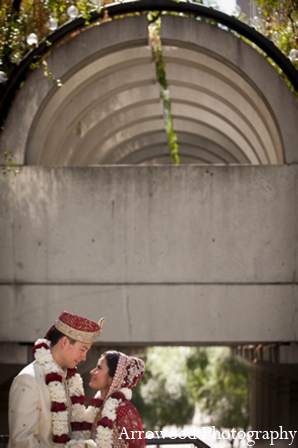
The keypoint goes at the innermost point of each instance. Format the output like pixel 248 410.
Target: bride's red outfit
pixel 115 422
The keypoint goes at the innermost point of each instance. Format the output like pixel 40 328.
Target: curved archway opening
pixel 229 106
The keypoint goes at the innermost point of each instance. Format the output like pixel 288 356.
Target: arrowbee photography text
pixel 249 437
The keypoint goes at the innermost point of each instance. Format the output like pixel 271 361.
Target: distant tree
pixel 281 24
pixel 220 384
pixel 163 397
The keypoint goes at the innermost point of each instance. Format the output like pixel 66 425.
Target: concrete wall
pixel 211 252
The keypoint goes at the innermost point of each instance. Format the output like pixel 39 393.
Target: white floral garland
pixel 104 435
pixel 60 418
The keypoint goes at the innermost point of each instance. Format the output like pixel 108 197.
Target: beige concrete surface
pixel 213 248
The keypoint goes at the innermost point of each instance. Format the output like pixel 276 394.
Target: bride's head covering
pixel 129 372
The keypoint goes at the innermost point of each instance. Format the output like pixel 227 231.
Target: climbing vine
pixel 10 164
pixel 154 36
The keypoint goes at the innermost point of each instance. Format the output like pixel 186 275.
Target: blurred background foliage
pixel 220 384
pixel 179 380
pixel 163 396
pixel 18 19
pixel 281 23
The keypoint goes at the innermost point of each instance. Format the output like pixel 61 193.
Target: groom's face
pixel 73 354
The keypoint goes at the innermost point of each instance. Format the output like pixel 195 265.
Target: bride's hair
pixel 112 358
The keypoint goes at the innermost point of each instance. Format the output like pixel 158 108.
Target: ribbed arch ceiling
pixel 109 109
pixel 104 103
pixel 218 98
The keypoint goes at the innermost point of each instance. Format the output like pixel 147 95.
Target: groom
pixel 46 399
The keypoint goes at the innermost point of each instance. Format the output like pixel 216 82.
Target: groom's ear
pixel 64 342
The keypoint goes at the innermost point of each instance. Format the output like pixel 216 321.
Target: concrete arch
pixel 109 103
pixel 112 62
pixel 203 61
pixel 101 92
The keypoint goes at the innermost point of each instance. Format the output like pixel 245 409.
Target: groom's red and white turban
pixel 78 328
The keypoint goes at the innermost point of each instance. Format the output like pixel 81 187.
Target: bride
pixel 112 421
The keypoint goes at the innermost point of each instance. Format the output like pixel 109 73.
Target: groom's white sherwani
pixel 30 420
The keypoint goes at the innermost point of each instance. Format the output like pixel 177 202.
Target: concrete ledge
pixel 157 314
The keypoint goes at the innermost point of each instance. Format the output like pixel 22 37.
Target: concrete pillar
pixel 293 411
pixel 283 402
pixel 272 410
pixel 265 400
pixel 259 401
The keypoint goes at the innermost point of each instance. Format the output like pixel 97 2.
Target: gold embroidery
pixel 77 335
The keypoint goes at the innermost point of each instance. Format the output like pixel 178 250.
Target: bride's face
pixel 100 379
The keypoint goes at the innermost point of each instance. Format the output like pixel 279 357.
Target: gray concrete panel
pixel 156 314
pixel 150 225
pixel 8 227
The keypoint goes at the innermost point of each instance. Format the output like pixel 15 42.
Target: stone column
pixel 272 410
pixel 283 403
pixel 265 401
pixel 258 401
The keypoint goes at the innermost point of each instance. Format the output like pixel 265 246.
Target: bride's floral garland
pixel 104 431
pixel 59 410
